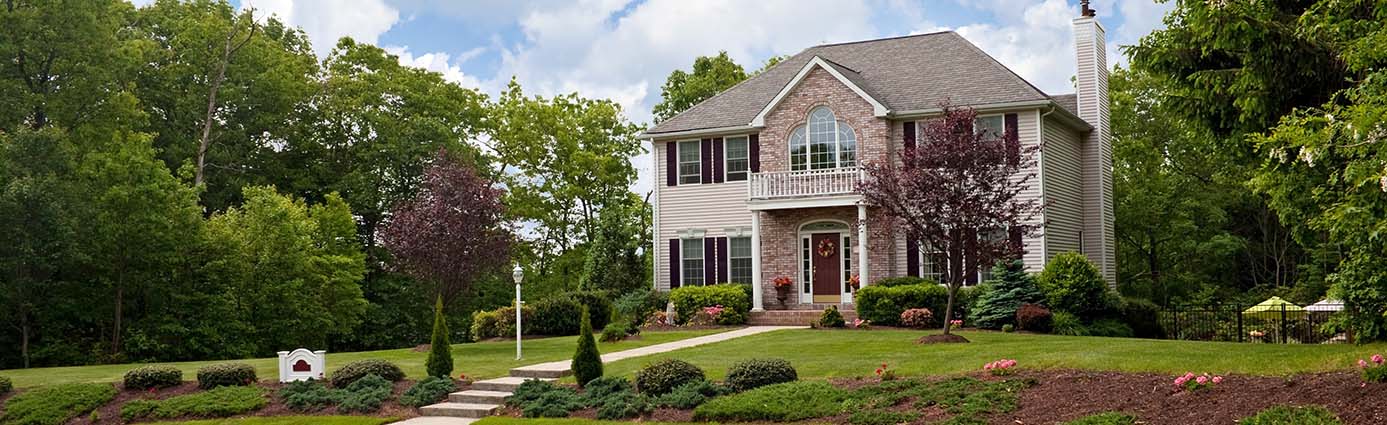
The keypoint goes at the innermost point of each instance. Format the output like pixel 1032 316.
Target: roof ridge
pixel 883 39
pixel 831 61
pixel 751 76
pixel 999 64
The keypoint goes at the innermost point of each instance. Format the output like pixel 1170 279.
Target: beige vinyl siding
pixel 1092 89
pixel 1026 122
pixel 712 208
pixel 1063 171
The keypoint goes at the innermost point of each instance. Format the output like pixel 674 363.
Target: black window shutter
pixel 754 151
pixel 908 132
pixel 1014 237
pixel 707 160
pixel 1013 140
pixel 912 257
pixel 970 257
pixel 674 266
pixel 672 164
pixel 722 260
pixel 710 268
pixel 718 162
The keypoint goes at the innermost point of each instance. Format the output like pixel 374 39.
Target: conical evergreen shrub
pixel 587 362
pixel 440 361
pixel 1010 287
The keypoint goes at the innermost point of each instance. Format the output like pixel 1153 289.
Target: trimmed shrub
pixel 1066 323
pixel 691 395
pixel 918 318
pixel 690 300
pixel 883 305
pixel 54 405
pixel 1293 415
pixel 1008 328
pixel 365 395
pixel 225 374
pixel 556 316
pixel 1034 318
pixel 6 385
pixel 998 300
pixel 788 402
pixel 544 399
pixel 599 304
pixel 831 318
pixel 1105 418
pixel 308 396
pixel 623 405
pixel 440 360
pixel 755 373
pixel 614 332
pixel 1109 327
pixel 598 390
pixel 663 376
pixel 428 391
pixel 1071 283
pixel 1141 315
pixel 635 306
pixel 359 369
pixel 903 281
pixel 587 362
pixel 500 322
pixel 218 402
pixel 147 377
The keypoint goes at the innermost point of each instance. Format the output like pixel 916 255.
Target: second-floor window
pixel 991 125
pixel 690 166
pixel 823 142
pixel 738 158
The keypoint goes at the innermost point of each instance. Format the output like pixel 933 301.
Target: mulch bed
pixel 1064 395
pixel 941 339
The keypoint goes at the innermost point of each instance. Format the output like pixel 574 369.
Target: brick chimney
pixel 1090 44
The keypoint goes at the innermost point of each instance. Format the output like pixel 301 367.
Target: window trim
pixel 981 116
pixel 808 144
pixel 726 159
pixel 684 277
pixel 679 162
pixel 731 258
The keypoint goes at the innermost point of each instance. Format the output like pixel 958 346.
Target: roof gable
pixel 839 72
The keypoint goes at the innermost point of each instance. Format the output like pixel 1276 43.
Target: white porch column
pixel 862 265
pixel 756 289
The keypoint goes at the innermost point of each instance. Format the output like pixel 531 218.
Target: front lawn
pixel 848 353
pixel 479 360
pixel 290 420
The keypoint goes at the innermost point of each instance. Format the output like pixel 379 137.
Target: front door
pixel 827 266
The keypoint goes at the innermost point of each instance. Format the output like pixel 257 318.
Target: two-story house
pixel 758 182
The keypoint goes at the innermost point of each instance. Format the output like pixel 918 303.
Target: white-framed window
pixel 985 270
pixel 738 158
pixel 934 265
pixel 993 125
pixel 690 162
pixel 822 143
pixel 739 259
pixel 691 254
pixel 847 262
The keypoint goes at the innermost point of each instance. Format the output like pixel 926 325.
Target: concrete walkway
pixel 487 396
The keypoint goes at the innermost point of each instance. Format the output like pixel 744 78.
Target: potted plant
pixel 783 286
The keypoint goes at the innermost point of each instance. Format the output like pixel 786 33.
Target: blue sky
pixel 624 49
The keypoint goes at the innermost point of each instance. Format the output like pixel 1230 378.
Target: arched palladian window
pixel 823 142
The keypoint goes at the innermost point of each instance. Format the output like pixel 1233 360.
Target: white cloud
pixel 326 21
pixel 440 62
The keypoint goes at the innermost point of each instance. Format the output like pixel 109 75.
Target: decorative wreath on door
pixel 826 248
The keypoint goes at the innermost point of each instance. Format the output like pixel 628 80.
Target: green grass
pixel 480 360
pixel 290 420
pixel 849 353
pixel 1105 418
pixel 1294 415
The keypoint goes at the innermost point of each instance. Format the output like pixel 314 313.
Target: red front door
pixel 828 269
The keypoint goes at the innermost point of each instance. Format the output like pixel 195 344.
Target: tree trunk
pixel 120 306
pixel 24 330
pixel 949 307
pixel 205 141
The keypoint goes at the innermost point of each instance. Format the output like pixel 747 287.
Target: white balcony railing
pixel 795 184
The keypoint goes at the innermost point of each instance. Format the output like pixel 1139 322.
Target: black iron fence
pixel 1277 324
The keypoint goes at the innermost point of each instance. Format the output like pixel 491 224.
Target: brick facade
pixel 781 249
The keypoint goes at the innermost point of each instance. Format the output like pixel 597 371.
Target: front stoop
pixel 479 397
pixel 792 317
pixel 485 398
pixel 459 410
pixel 506 384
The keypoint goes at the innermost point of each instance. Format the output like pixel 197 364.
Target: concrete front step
pixel 505 384
pixel 479 397
pixel 459 410
pixel 792 317
pixel 551 370
pixel 436 420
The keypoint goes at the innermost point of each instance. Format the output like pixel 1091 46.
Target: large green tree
pixel 59 60
pixel 711 74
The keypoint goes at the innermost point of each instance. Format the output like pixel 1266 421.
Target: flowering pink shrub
pixel 1191 382
pixel 1000 367
pixel 918 318
pixel 1374 371
pixel 861 324
pixel 956 323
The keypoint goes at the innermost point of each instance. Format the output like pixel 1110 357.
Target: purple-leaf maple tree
pixel 452 232
pixel 957 192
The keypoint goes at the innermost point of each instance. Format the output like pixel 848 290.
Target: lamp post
pixel 518 275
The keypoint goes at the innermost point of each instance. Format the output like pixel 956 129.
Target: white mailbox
pixel 302 365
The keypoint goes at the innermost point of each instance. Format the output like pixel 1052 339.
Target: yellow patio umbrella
pixel 1274 306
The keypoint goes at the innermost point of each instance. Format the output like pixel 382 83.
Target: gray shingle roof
pixel 903 73
pixel 1070 102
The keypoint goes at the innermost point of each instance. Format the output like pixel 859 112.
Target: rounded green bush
pixel 903 281
pixel 1008 328
pixel 353 371
pixel 831 318
pixel 1034 318
pixel 663 376
pixel 427 391
pixel 883 305
pixel 1071 283
pixel 754 373
pixel 225 374
pixel 149 377
pixel 556 316
pixel 599 304
pixel 614 332
pixel 689 300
